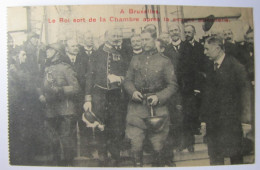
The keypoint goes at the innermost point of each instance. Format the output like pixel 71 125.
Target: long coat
pixel 60 74
pixel 222 107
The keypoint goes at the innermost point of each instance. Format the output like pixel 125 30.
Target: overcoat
pixel 61 75
pixel 222 106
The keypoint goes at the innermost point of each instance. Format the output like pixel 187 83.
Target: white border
pixel 4 165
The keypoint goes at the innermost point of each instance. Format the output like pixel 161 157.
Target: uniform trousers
pixel 108 105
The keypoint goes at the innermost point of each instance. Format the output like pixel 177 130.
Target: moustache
pixel 228 38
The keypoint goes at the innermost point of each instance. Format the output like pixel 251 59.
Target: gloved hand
pixel 137 96
pixel 87 106
pixel 88 124
pixel 196 92
pixel 154 100
pixel 56 89
pixel 179 107
pixel 113 78
pixel 101 127
pixel 42 99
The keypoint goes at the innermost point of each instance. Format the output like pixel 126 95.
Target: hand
pixel 137 96
pixel 154 100
pixel 88 124
pixel 101 127
pixel 87 106
pixel 56 89
pixel 12 68
pixel 113 78
pixel 179 107
pixel 196 92
pixel 42 99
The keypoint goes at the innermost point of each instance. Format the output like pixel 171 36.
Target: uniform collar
pixel 110 49
pixel 88 48
pixel 138 51
pixel 151 52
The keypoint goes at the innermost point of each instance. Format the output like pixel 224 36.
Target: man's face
pixel 136 42
pixel 189 33
pixel 165 37
pixel 22 56
pixel 115 37
pixel 211 51
pixel 88 40
pixel 250 38
pixel 72 47
pixel 228 35
pixel 159 47
pixel 34 41
pixel 50 53
pixel 148 42
pixel 174 32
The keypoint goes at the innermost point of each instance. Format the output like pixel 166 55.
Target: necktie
pixel 215 66
pixel 176 48
pixel 73 60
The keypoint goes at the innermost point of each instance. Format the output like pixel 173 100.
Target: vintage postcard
pixel 131 86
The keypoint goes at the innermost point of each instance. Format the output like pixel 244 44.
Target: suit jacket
pixel 80 67
pixel 222 106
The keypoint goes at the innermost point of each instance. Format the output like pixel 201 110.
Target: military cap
pixel 58 47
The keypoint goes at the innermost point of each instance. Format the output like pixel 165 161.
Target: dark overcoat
pixel 222 107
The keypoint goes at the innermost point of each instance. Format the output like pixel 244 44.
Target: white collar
pixel 220 60
pixel 72 57
pixel 192 42
pixel 176 43
pixel 88 48
pixel 138 51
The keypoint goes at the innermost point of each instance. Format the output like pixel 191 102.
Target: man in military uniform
pixel 60 84
pixel 150 82
pixel 104 95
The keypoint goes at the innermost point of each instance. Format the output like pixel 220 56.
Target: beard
pixel 175 37
pixel 188 38
pixel 228 39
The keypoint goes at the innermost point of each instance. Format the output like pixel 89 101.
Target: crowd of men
pixel 147 93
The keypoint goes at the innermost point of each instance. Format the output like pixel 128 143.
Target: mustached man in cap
pixel 150 82
pixel 104 96
pixel 60 84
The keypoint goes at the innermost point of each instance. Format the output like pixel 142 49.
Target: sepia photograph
pixel 130 86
